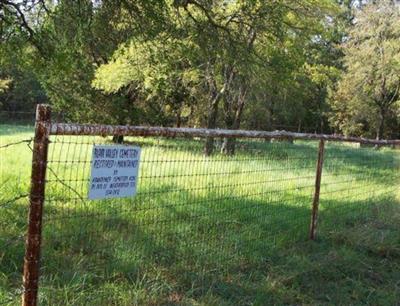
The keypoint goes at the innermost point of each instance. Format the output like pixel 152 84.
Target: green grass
pixel 214 230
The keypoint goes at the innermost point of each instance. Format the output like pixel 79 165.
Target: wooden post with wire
pixel 36 200
pixel 315 204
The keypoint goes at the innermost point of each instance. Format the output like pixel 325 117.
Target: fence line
pixel 36 200
pixel 122 130
pixel 315 204
pixel 179 190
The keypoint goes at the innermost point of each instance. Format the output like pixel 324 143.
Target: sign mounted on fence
pixel 114 172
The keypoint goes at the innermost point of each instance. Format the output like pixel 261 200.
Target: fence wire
pixel 357 183
pixel 191 212
pixel 195 219
pixel 196 222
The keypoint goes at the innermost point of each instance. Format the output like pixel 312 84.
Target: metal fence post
pixel 315 204
pixel 36 199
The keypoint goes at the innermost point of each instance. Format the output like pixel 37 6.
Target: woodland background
pixel 330 66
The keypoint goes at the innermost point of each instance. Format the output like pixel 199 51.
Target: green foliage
pixel 4 85
pixel 367 94
pixel 250 64
pixel 218 51
pixel 20 89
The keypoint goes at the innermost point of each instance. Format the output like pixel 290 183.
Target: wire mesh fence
pixel 195 220
pixel 190 211
pixel 357 182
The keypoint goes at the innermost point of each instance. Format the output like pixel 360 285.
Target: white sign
pixel 114 172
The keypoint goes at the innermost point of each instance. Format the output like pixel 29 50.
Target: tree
pixel 157 72
pixel 368 92
pixel 64 41
pixel 222 46
pixel 249 36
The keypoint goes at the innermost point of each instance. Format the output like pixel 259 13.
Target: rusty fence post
pixel 315 204
pixel 36 199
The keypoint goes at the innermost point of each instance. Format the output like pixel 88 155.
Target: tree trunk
pixel 212 118
pixel 118 139
pixel 228 146
pixel 381 125
pixel 178 119
pixel 215 97
pixel 233 115
pixel 211 124
pixel 299 127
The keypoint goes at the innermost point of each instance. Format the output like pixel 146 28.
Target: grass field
pixel 202 230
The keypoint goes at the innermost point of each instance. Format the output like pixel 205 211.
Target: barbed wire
pixel 3 202
pixel 28 141
pixel 19 197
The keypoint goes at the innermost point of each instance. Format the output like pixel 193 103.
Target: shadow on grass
pixel 177 249
pixel 224 254
pixel 180 248
pixel 238 251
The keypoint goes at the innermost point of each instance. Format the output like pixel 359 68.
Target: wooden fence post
pixel 315 204
pixel 36 200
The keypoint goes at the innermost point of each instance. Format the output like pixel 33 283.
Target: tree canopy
pixel 312 65
pixel 368 92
